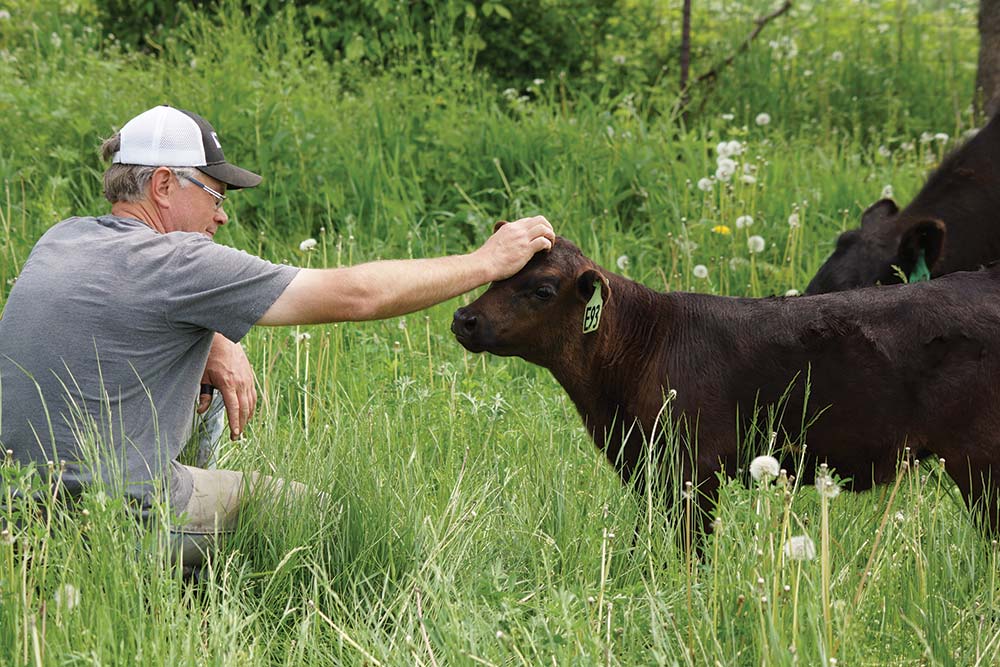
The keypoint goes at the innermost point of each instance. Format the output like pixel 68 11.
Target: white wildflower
pixel 302 337
pixel 734 147
pixel 743 221
pixel 722 150
pixel 792 292
pixel 884 151
pixel 837 56
pixel 764 467
pixel 618 59
pixel 4 15
pixel 941 136
pixel 883 28
pixel 800 547
pixel 538 82
pixel 55 39
pixel 728 116
pixel 756 243
pixel 726 169
pixel 749 179
pixel 700 271
pixel 793 221
pixel 510 93
pixel 705 184
pixel 622 262
pixel 67 597
pixel 906 146
pixel 762 119
pixel 307 245
pixel 926 137
pixel 887 192
pixel 825 485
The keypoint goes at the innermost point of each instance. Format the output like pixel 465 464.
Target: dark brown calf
pixel 953 222
pixel 911 365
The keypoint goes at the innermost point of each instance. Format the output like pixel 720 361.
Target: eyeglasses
pixel 219 197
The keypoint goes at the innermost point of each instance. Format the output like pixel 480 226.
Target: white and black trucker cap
pixel 167 137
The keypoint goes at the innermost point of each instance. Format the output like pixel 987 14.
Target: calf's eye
pixel 544 292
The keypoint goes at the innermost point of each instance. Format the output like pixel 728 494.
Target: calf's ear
pixel 926 237
pixel 878 212
pixel 586 281
pixel 498 225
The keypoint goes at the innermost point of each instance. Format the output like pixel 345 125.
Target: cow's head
pixel 538 312
pixel 871 255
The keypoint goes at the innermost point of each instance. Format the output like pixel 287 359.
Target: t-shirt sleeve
pixel 219 288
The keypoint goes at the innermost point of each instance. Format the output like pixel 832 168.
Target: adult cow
pixel 892 367
pixel 953 224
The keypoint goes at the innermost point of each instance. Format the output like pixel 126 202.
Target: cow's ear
pixel 586 282
pixel 923 238
pixel 878 212
pixel 498 225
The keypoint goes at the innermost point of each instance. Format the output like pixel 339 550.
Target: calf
pixel 960 202
pixel 903 366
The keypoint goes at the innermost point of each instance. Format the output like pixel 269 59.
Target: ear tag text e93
pixel 592 312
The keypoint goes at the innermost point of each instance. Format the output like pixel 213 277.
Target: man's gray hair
pixel 127 182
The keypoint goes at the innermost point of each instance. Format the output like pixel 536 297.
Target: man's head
pixel 165 150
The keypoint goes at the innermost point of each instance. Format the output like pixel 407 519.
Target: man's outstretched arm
pixel 390 288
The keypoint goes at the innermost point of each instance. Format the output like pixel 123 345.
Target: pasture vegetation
pixel 477 524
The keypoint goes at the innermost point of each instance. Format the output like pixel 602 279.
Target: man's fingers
pixel 541 243
pixel 232 401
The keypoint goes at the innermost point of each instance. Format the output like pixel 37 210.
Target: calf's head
pixel 539 312
pixel 870 255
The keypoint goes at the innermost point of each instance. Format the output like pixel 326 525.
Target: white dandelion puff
pixel 727 168
pixel 887 192
pixel 941 136
pixel 705 184
pixel 622 262
pixel 307 245
pixel 837 56
pixel 743 221
pixel 884 151
pixel 4 15
pixel 762 119
pixel 67 597
pixel 756 243
pixel 618 59
pixel 792 292
pixel 700 271
pixel 302 337
pixel 728 116
pixel 794 221
pixel 764 468
pixel 800 547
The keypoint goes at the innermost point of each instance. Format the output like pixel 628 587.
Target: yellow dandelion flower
pixel 722 229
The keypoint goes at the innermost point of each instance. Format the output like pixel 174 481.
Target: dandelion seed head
pixel 307 245
pixel 756 244
pixel 792 292
pixel 618 59
pixel 762 119
pixel 743 221
pixel 622 262
pixel 67 597
pixel 941 137
pixel 837 56
pixel 764 468
pixel 800 547
pixel 705 184
pixel 794 221
pixel 700 271
pixel 887 192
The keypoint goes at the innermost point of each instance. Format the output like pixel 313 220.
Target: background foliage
pixel 478 524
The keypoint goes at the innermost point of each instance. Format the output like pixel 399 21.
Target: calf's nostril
pixel 469 323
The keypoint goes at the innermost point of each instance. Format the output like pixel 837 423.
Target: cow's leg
pixel 980 485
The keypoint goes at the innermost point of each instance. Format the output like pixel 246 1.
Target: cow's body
pixel 954 220
pixel 915 365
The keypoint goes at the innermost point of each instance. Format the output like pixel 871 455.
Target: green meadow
pixel 474 522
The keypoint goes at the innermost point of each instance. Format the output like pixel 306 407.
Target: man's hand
pixel 229 371
pixel 513 244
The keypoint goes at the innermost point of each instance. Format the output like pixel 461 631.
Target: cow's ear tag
pixel 920 271
pixel 592 312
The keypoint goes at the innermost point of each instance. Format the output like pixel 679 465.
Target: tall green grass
pixel 476 522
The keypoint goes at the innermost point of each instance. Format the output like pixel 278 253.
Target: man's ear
pixel 878 212
pixel 160 184
pixel 585 285
pixel 927 236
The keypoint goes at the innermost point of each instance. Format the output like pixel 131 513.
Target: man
pixel 116 321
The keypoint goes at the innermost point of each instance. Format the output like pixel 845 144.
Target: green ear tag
pixel 920 271
pixel 592 313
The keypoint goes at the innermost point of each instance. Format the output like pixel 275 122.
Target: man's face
pixel 195 209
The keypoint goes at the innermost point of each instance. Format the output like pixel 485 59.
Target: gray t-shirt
pixel 103 342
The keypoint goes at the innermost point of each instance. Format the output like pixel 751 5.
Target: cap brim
pixel 233 176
